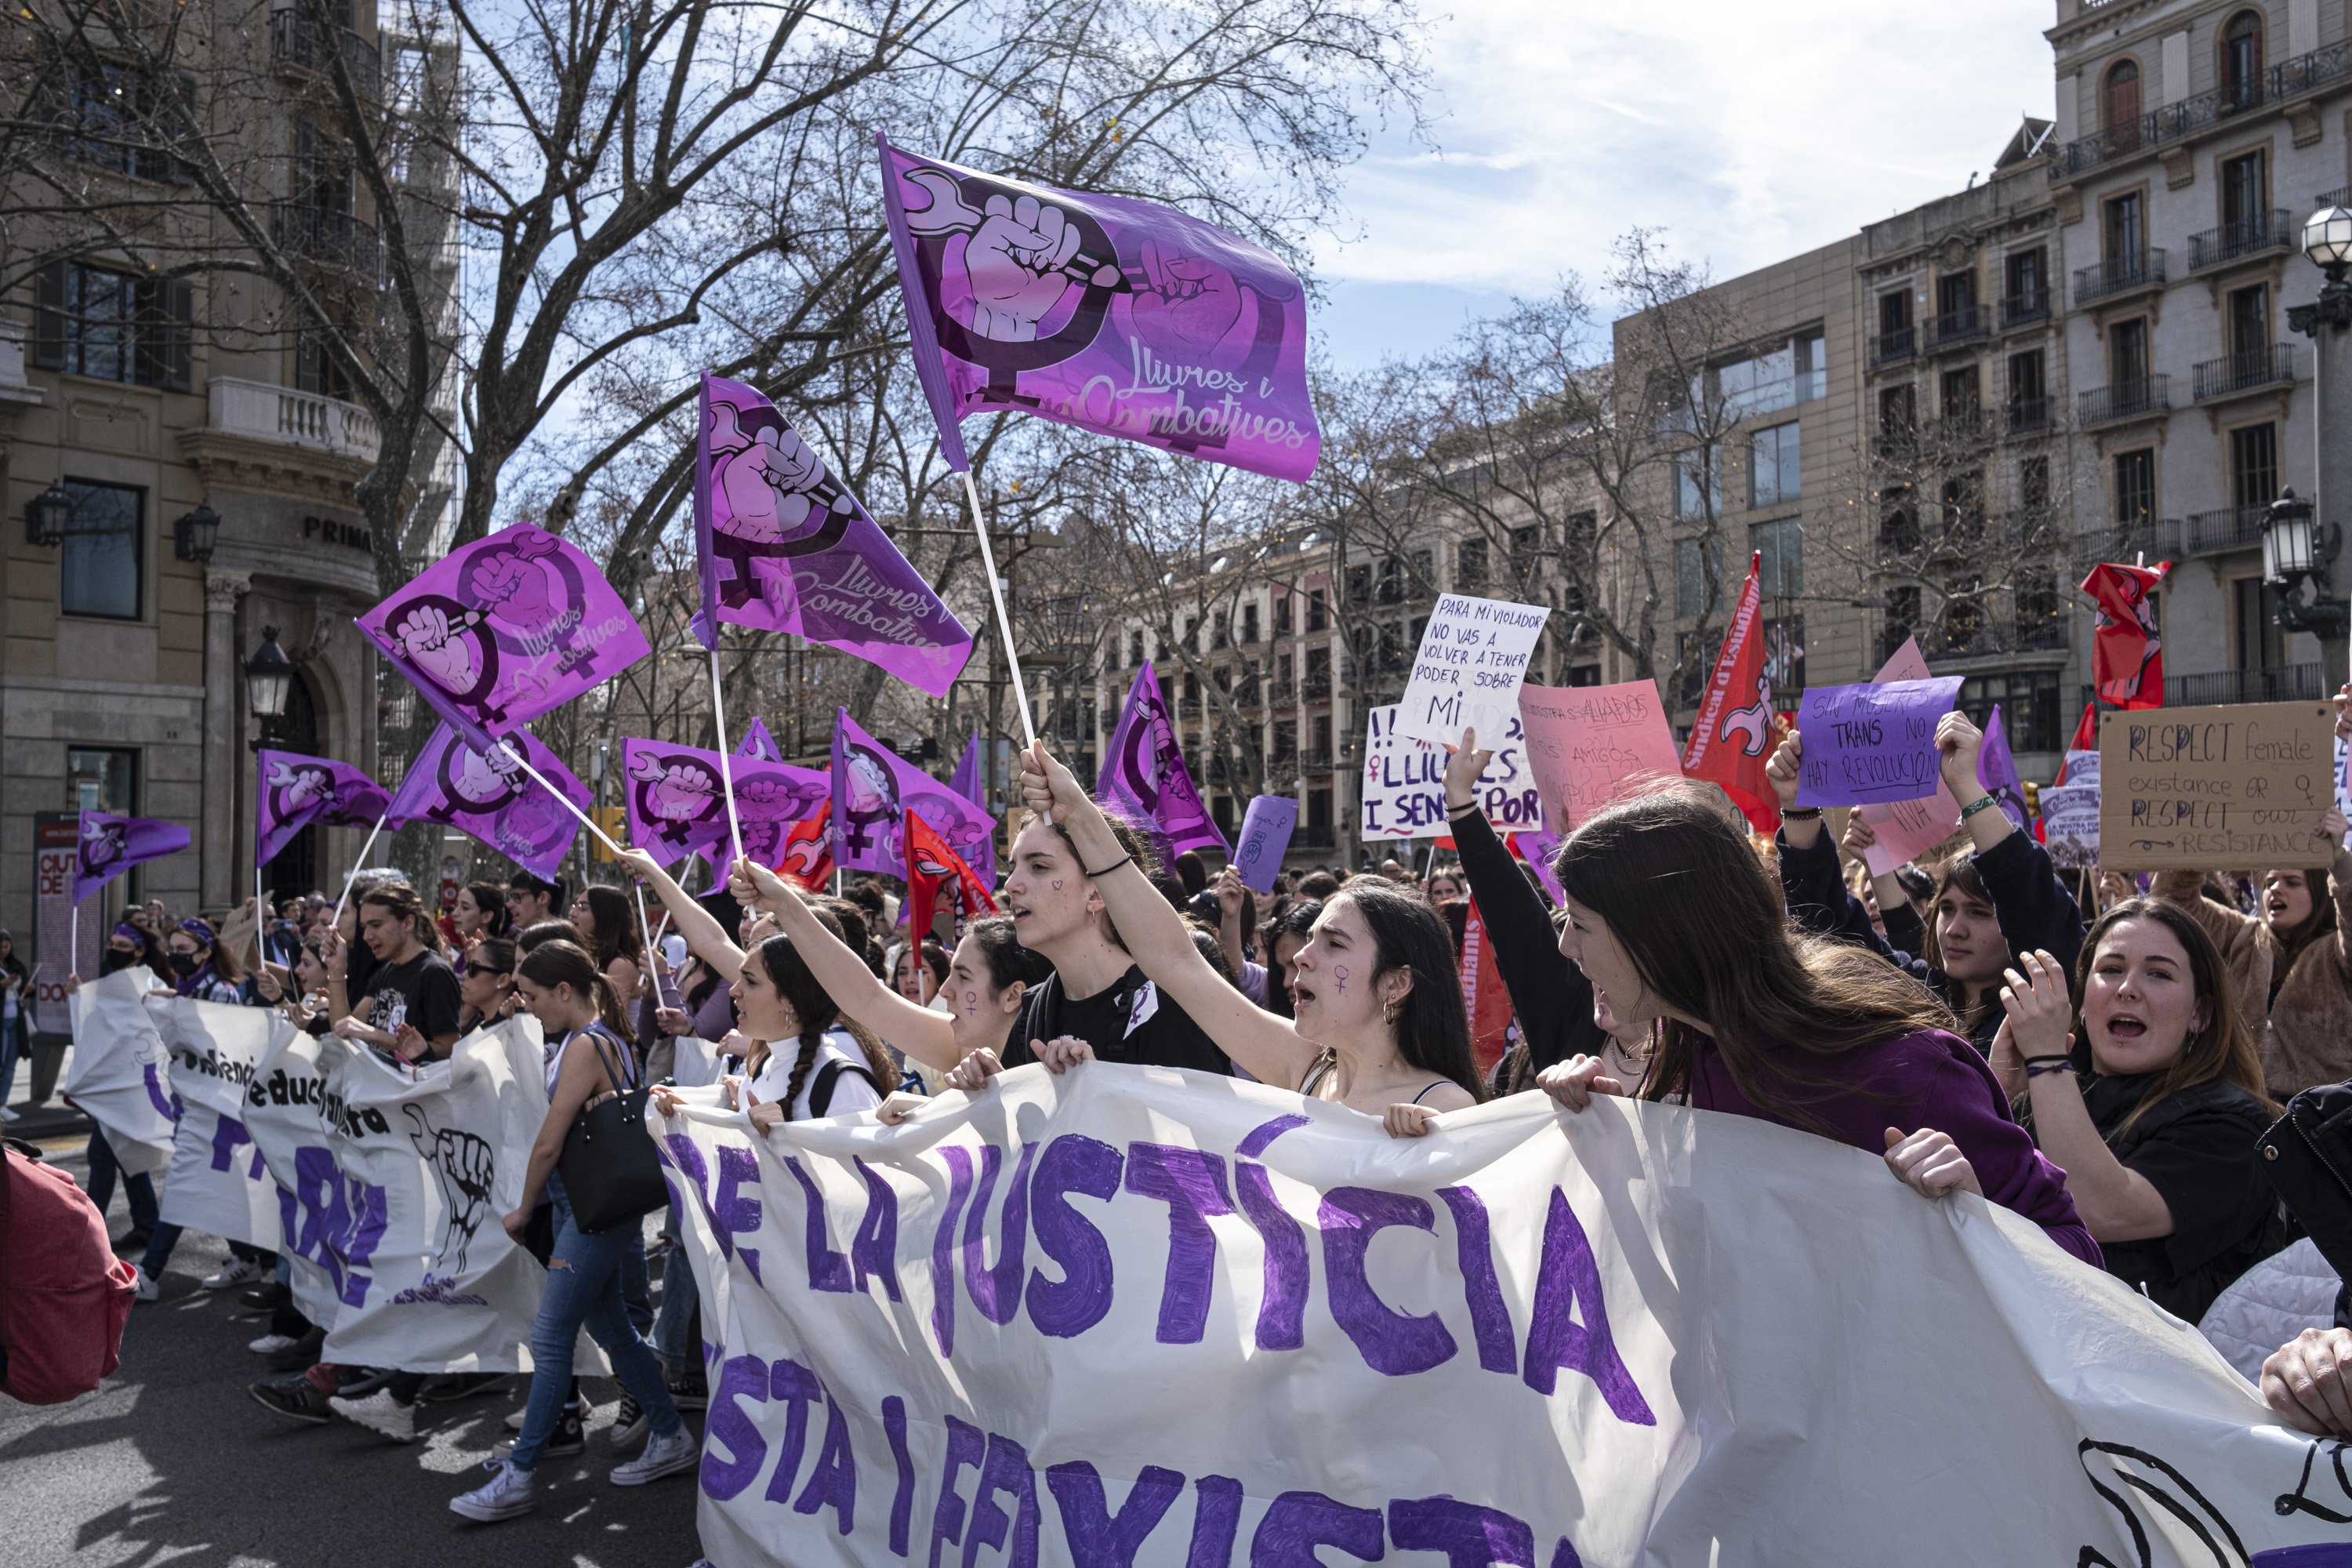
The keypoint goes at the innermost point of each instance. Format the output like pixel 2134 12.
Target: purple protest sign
pixel 1144 772
pixel 297 792
pixel 112 845
pixel 483 795
pixel 1105 312
pixel 874 787
pixel 1265 837
pixel 785 546
pixel 1871 742
pixel 1997 770
pixel 676 799
pixel 758 742
pixel 967 780
pixel 495 634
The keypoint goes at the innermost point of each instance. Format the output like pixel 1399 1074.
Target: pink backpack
pixel 64 1296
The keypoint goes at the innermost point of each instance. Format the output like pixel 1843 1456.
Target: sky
pixel 1747 132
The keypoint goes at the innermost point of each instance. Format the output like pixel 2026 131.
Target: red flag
pixel 1733 735
pixel 2127 653
pixel 931 866
pixel 808 851
pixel 2086 736
pixel 1482 995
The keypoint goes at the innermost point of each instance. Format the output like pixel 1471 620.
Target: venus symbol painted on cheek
pixel 1339 974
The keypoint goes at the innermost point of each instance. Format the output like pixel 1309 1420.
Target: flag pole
pixel 516 757
pixel 1004 622
pixel 725 769
pixel 352 875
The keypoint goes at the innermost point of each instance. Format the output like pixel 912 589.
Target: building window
pixel 2249 326
pixel 2253 465
pixel 1135 650
pixel 1903 616
pixel 2026 276
pixel 316 369
pixel 2029 392
pixel 2119 105
pixel 1319 671
pixel 1221 635
pixel 2030 709
pixel 1318 818
pixel 103 778
pixel 1963 393
pixel 1695 659
pixel 1692 574
pixel 1285 743
pixel 1193 633
pixel 1780 548
pixel 1698 482
pixel 1392 589
pixel 1282 615
pixel 2261 642
pixel 111 112
pixel 1249 623
pixel 89 321
pixel 2241 60
pixel 2127 360
pixel 2245 197
pixel 1318 735
pixel 1525 544
pixel 1898 410
pixel 1895 323
pixel 100 565
pixel 1784 652
pixel 1774 471
pixel 1470 565
pixel 1319 610
pixel 1796 372
pixel 2033 483
pixel 1360 584
pixel 2134 486
pixel 2123 233
pixel 1956 303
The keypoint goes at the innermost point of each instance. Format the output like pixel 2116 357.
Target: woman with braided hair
pixel 801 1065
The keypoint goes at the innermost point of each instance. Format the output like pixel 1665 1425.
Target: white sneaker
pixel 240 1271
pixel 9 1115
pixel 514 1421
pixel 379 1411
pixel 670 1456
pixel 270 1344
pixel 147 1289
pixel 506 1495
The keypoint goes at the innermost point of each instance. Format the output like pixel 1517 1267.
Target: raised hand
pixel 1931 1164
pixel 2041 1009
pixel 1229 893
pixel 1465 765
pixel 1859 835
pixel 2331 827
pixel 1959 741
pixel 435 647
pixel 1787 761
pixel 1049 788
pixel 1015 262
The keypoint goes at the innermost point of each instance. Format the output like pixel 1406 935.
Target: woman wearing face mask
pixel 2158 1141
pixel 201 969
pixel 1380 1027
pixel 1673 920
pixel 2002 897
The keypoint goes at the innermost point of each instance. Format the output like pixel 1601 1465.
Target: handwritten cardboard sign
pixel 2234 788
pixel 1907 829
pixel 1404 781
pixel 1466 675
pixel 1871 742
pixel 1589 745
pixel 1265 835
pixel 2070 824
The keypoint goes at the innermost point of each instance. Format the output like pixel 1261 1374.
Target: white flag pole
pixel 1004 622
pixel 725 769
pixel 351 876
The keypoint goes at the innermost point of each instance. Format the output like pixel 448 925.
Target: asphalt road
pixel 169 1461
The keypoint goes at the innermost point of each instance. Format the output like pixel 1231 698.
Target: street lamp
pixel 47 514
pixel 194 535
pixel 268 676
pixel 2296 550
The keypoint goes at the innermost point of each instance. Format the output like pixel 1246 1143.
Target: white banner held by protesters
pixel 120 1077
pixel 1131 1315
pixel 219 1182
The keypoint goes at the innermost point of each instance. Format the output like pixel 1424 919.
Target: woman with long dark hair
pixel 1673 920
pixel 486 984
pixel 801 1065
pixel 481 913
pixel 1380 1027
pixel 607 920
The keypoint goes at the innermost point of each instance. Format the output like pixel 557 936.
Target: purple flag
pixel 1144 770
pixel 297 792
pixel 758 742
pixel 1873 741
pixel 112 845
pixel 1537 846
pixel 874 787
pixel 967 782
pixel 495 634
pixel 1107 313
pixel 785 546
pixel 481 793
pixel 1265 837
pixel 678 802
pixel 1997 770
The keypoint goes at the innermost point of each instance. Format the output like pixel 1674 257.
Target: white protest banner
pixel 1137 1316
pixel 119 1076
pixel 2069 823
pixel 695 1064
pixel 1588 746
pixel 1405 781
pixel 1474 654
pixel 2081 768
pixel 218 1182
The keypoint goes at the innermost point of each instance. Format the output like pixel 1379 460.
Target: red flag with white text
pixel 1732 738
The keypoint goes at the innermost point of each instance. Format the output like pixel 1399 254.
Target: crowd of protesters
pixel 2102 1056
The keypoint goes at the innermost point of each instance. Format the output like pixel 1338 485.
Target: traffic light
pixel 614 821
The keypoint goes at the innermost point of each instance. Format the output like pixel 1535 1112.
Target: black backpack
pixel 2307 1155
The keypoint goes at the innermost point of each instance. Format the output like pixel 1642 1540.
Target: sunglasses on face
pixel 474 969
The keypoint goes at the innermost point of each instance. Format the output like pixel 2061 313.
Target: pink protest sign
pixel 1873 741
pixel 1590 745
pixel 1907 829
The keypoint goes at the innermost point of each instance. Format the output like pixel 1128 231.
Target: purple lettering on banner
pixel 739 1168
pixel 827 1269
pixel 902 1502
pixel 1490 1320
pixel 997 1292
pixel 834 1479
pixel 228 1136
pixel 943 1285
pixel 728 1428
pixel 1296 1523
pixel 798 1387
pixel 966 1444
pixel 1261 1136
pixel 1081 1297
pixel 1394 1343
pixel 874 1251
pixel 1469 1535
pixel 1007 1471
pixel 1568 1285
pixel 373 1217
pixel 1282 1311
pixel 1564 1555
pixel 1192 1182
pixel 1097 1537
pixel 1216 1521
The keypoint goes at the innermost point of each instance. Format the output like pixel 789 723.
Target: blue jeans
pixel 138 1191
pixel 636 1283
pixel 674 1334
pixel 584 1291
pixel 12 1046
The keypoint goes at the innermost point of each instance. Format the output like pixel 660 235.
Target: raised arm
pixel 926 1035
pixel 1265 1044
pixel 705 937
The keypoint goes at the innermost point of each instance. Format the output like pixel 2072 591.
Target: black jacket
pixel 2307 1155
pixel 1551 996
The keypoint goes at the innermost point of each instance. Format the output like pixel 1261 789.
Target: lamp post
pixel 2297 545
pixel 46 515
pixel 2296 550
pixel 268 676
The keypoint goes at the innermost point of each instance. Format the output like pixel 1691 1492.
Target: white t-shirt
pixel 850 1093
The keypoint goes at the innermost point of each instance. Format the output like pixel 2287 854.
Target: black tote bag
pixel 611 1174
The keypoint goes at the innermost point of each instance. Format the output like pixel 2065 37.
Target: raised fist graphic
pixel 303 787
pixel 1187 304
pixel 681 791
pixel 438 649
pixel 482 780
pixel 514 585
pixel 467 1167
pixel 767 485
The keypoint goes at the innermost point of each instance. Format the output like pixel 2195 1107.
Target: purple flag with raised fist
pixel 298 792
pixel 1144 770
pixel 874 788
pixel 112 845
pixel 1997 770
pixel 495 634
pixel 483 795
pixel 758 742
pixel 1105 312
pixel 970 783
pixel 784 546
pixel 676 802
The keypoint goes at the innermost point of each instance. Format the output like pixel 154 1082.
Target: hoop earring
pixel 1388 1014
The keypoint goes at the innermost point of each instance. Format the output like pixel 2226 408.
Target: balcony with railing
pixel 1975 629
pixel 1959 326
pixel 2280 683
pixel 2228 528
pixel 2340 196
pixel 2248 369
pixel 2177 122
pixel 2152 538
pixel 1315 762
pixel 2146 398
pixel 1187 707
pixel 1316 688
pixel 1894 345
pixel 2272 230
pixel 322 235
pixel 2024 310
pixel 1314 836
pixel 2119 275
pixel 296 41
pixel 2028 415
pixel 260 411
